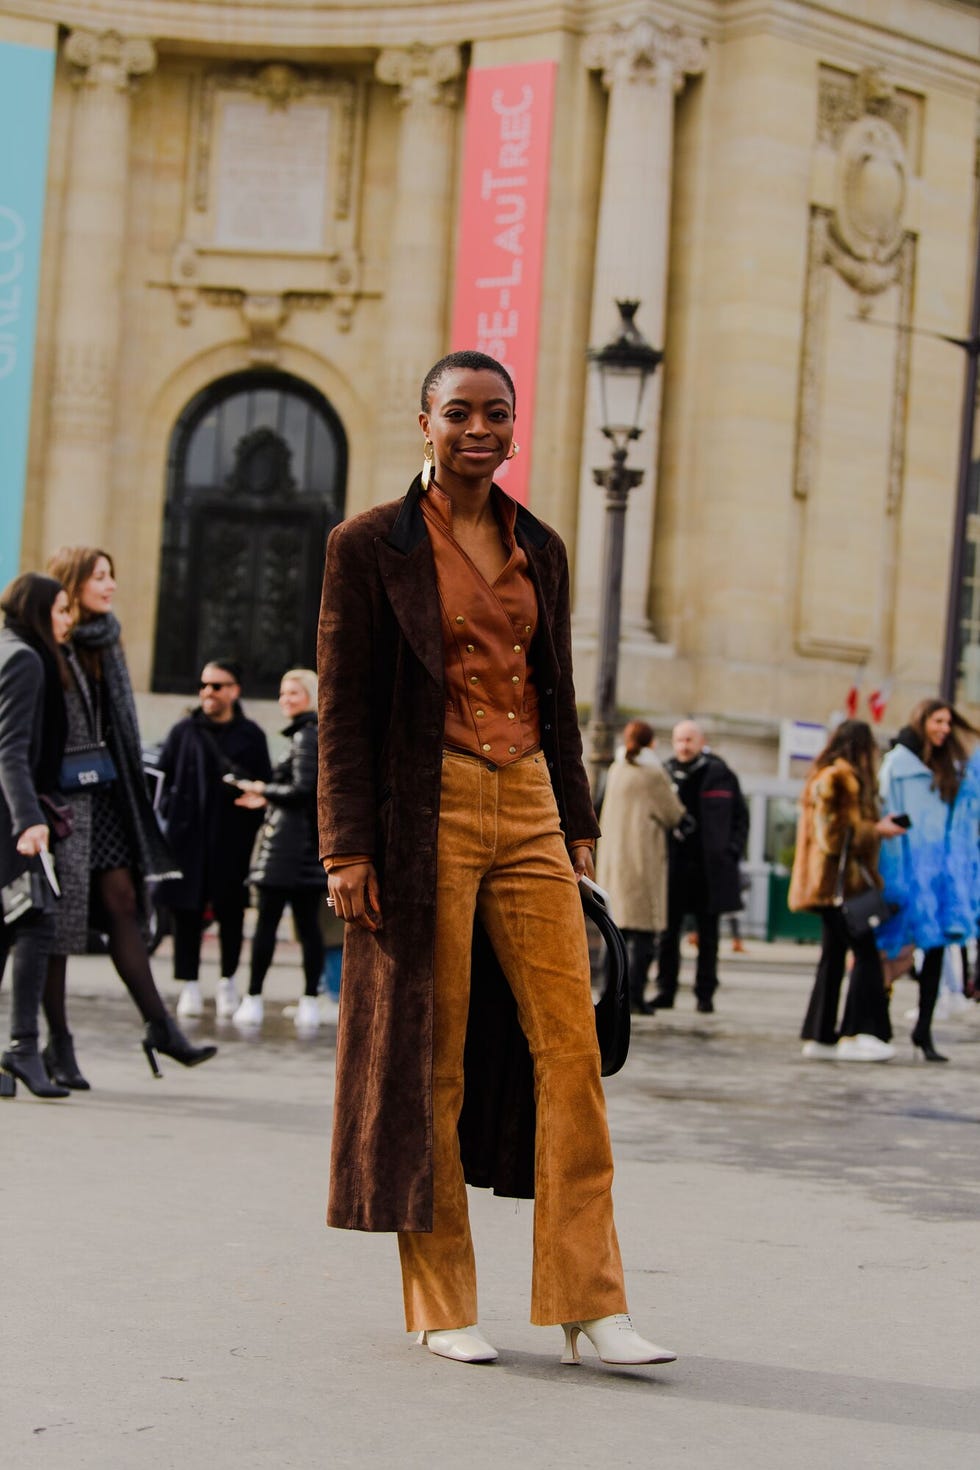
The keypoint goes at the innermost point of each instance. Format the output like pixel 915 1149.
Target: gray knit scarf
pixel 101 635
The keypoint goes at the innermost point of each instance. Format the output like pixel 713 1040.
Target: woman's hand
pixel 889 828
pixel 251 799
pixel 33 840
pixel 583 864
pixel 251 787
pixel 356 895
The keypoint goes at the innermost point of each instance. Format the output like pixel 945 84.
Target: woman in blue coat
pixel 934 870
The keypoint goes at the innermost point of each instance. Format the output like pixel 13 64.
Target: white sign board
pixel 799 740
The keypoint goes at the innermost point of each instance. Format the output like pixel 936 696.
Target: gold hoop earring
pixel 515 450
pixel 428 463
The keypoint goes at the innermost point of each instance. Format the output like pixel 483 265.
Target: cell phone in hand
pixel 902 819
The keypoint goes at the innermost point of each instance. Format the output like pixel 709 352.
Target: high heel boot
pixel 22 1062
pixel 59 1058
pixel 922 1040
pixel 928 992
pixel 615 1340
pixel 167 1038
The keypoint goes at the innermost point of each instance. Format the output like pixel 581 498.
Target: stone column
pixel 643 66
pixel 88 323
pixel 420 268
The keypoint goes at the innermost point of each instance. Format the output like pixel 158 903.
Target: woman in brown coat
pixel 839 805
pixel 639 808
pixel 455 820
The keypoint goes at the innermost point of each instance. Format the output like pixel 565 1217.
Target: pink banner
pixel 501 237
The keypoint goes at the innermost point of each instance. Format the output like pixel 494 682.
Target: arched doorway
pixel 256 480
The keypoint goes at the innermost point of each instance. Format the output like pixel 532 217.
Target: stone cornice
pixel 943 55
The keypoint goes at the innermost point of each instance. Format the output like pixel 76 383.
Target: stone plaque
pixel 271 174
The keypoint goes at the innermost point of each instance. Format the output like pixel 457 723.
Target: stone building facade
pixel 251 220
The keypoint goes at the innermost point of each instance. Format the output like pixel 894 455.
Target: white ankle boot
pixel 615 1340
pixel 462 1344
pixel 191 1002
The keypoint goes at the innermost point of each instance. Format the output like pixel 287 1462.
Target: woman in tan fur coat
pixel 839 798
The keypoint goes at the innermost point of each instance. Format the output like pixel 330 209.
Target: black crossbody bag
pixel 863 913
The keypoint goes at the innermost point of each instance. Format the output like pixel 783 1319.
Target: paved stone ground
pixel 805 1235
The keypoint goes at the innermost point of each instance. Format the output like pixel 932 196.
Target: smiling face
pixel 218 693
pixel 471 425
pixel 938 727
pixel 95 595
pixel 293 698
pixel 61 619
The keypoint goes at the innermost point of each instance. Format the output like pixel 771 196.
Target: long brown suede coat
pixel 382 712
pixel 829 807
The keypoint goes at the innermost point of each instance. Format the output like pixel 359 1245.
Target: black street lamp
pixel 625 365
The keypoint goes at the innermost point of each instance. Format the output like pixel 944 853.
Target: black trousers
pixel 930 976
pixel 30 939
pixel 641 946
pixel 189 930
pixel 866 1007
pixel 686 895
pixel 305 904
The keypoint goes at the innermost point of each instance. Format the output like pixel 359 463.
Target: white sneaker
pixel 329 1009
pixel 226 999
pixel 250 1012
pixel 191 1001
pixel 817 1051
pixel 864 1048
pixel 307 1016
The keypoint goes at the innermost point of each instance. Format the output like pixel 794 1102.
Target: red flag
pixel 853 694
pixel 878 700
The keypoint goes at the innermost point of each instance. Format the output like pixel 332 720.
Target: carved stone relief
pixel 215 262
pixel 863 239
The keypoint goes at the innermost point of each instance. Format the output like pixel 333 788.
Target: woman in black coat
pixel 32 742
pixel 115 846
pixel 287 867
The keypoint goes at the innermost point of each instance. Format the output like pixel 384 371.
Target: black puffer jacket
pixel 288 855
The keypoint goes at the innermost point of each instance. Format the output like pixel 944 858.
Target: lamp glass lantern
pixel 625 366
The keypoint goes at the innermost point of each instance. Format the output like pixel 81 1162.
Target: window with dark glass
pixel 256 481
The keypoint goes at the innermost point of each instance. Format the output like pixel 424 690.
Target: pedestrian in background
pixel 287 867
pixel 930 775
pixel 639 809
pixel 211 837
pixel 704 855
pixel 115 846
pixel 837 842
pixel 33 729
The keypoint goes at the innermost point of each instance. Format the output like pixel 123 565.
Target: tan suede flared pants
pixel 502 855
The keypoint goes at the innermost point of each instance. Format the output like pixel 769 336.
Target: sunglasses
pixel 217 684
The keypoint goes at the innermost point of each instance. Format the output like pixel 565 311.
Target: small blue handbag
pixel 87 766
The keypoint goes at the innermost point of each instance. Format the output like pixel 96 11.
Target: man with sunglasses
pixel 209 835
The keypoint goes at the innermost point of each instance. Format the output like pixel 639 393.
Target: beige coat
pixel 639 809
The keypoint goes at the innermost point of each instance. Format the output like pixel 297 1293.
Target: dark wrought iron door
pixel 256 484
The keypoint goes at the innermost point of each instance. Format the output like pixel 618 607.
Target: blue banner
pixel 26 75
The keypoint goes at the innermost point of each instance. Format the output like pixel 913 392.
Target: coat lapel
pixel 408 572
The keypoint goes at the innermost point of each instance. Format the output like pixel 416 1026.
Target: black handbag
pixel 31 891
pixel 612 1009
pixel 863 913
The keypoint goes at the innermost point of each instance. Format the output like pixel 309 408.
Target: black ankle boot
pixel 59 1058
pixel 22 1062
pixel 923 1040
pixel 167 1038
